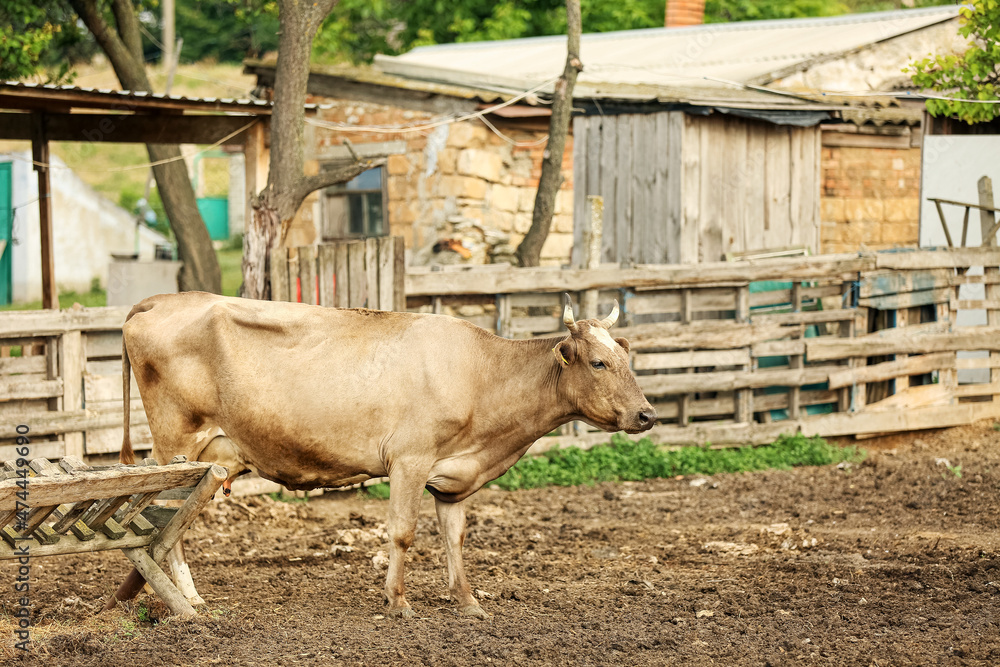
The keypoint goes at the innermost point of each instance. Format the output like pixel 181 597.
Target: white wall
pixel 951 168
pixel 87 228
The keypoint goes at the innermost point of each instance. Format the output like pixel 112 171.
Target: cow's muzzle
pixel 642 421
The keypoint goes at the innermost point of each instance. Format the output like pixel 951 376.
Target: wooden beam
pixel 888 370
pixel 35 323
pixel 114 481
pixel 903 342
pixel 40 156
pixel 126 128
pixel 546 279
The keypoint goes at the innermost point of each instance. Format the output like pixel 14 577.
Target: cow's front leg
pixel 451 517
pixel 405 489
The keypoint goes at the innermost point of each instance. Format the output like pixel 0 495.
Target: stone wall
pixel 870 197
pixel 457 192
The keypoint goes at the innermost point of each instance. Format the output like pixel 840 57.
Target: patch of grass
pixel 231 264
pixel 628 460
pixel 378 491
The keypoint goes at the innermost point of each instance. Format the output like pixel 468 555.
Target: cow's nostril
pixel 646 417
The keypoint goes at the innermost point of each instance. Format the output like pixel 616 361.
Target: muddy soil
pixel 895 561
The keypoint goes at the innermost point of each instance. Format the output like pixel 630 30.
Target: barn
pixel 723 124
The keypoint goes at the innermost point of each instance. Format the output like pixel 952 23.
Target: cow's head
pixel 596 378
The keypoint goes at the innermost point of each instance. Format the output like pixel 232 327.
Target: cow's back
pixel 283 380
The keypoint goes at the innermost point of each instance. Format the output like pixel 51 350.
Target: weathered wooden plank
pixel 778 348
pixel 546 279
pixel 690 359
pixel 14 390
pixel 47 423
pixel 386 262
pixel 294 286
pixel 160 582
pixel 825 425
pixel 777 175
pixel 930 259
pixel 913 397
pixel 371 273
pixel 342 287
pixel 75 546
pixel 12 366
pixel 326 259
pixel 704 334
pixel 580 168
pixel 280 289
pixel 691 176
pixel 307 273
pixel 358 297
pixel 908 299
pixel 103 345
pixel 399 275
pixel 35 323
pixel 809 317
pixel 884 281
pixel 103 484
pixel 72 358
pixel 979 389
pixel 680 383
pixel 608 187
pixel 624 212
pixel 902 342
pixel 646 216
pixel 888 370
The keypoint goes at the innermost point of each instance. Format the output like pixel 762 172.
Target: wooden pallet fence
pixel 724 349
pixel 350 274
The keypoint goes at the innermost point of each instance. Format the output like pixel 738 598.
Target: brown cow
pixel 321 397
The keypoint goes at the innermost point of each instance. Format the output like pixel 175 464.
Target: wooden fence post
pixel 986 221
pixel 72 361
pixel 592 235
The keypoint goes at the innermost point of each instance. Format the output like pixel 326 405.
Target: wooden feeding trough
pixel 51 509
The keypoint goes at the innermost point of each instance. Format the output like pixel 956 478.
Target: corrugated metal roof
pixel 654 60
pixel 17 94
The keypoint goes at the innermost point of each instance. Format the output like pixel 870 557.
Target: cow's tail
pixel 127 453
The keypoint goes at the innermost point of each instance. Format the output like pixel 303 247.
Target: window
pixel 355 209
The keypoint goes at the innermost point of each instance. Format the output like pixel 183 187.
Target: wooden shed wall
pixel 681 188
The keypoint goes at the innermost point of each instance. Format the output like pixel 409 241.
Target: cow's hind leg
pixel 451 517
pixel 182 574
pixel 405 488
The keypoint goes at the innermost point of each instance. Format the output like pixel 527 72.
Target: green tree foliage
pixel 973 75
pixel 226 31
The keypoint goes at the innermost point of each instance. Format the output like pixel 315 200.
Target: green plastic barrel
pixel 215 212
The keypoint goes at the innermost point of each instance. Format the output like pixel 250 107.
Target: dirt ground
pixel 895 561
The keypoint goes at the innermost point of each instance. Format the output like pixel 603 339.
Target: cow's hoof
pixel 474 611
pixel 401 612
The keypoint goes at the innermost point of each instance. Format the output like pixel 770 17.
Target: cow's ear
pixel 565 351
pixel 624 343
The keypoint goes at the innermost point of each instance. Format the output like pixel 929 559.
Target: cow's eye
pixel 597 365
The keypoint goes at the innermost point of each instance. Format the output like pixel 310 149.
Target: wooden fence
pixel 735 352
pixel 351 274
pixel 741 352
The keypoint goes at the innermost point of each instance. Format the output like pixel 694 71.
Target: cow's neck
pixel 522 395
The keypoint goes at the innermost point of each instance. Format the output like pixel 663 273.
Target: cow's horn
pixel 610 320
pixel 568 313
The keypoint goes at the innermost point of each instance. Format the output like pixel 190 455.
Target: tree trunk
pixel 287 186
pixel 124 50
pixel 529 252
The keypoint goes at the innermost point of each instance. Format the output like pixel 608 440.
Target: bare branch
pixel 328 177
